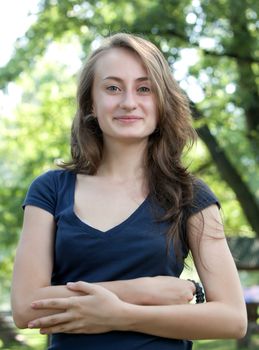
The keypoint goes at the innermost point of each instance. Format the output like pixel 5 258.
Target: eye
pixel 144 89
pixel 113 88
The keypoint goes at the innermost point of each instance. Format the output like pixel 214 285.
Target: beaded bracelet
pixel 200 298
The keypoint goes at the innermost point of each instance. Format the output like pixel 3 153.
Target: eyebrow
pixel 121 80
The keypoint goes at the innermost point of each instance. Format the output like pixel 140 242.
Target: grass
pixel 225 344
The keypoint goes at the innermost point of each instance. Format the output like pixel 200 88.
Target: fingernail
pixel 70 283
pixel 31 325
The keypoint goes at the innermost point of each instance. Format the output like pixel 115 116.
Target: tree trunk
pixel 244 44
pixel 246 199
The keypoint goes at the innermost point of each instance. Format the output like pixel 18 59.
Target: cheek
pixel 99 109
pixel 154 110
pixel 104 106
pixel 99 103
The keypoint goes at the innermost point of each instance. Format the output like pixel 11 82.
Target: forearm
pixel 101 310
pixel 159 290
pixel 193 321
pixel 131 291
pixel 22 310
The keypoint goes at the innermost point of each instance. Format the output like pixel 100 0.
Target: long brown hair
pixel 169 182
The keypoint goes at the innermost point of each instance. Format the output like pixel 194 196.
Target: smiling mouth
pixel 129 118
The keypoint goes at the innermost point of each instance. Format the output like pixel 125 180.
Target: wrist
pixel 192 286
pixel 198 292
pixel 128 317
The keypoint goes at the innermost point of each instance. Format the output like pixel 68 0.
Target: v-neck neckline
pixel 112 229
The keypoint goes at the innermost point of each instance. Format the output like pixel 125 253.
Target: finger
pixel 58 303
pixel 50 321
pixel 61 328
pixel 67 327
pixel 85 287
pixel 74 328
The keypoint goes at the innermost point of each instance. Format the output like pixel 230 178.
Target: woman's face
pixel 123 98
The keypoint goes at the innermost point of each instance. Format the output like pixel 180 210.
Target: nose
pixel 128 101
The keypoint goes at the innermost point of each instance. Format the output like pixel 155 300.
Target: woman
pixel 105 238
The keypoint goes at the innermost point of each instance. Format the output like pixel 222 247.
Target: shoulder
pixel 203 197
pixel 52 179
pixel 44 189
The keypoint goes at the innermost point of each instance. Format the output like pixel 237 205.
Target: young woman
pixel 104 239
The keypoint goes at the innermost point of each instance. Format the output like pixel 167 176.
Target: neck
pixel 123 161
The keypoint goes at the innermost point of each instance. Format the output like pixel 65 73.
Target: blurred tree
pixel 30 142
pixel 213 52
pixel 8 334
pixel 221 57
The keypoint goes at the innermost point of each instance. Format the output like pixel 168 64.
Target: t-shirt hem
pixel 36 204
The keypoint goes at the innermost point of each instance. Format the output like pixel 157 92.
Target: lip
pixel 128 118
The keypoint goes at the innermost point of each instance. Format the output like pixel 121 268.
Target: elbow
pixel 20 316
pixel 19 324
pixel 239 324
pixel 20 319
pixel 241 327
pixel 232 323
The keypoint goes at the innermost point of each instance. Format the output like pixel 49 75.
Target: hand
pixel 166 290
pixel 98 311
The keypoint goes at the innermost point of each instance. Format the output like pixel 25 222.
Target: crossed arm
pixel 158 305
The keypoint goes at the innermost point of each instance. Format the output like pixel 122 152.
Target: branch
pixel 186 39
pixel 203 167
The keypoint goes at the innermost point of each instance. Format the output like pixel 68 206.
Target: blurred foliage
pixel 225 344
pixel 29 340
pixel 214 45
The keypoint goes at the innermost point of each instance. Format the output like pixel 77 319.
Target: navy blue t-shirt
pixel 134 248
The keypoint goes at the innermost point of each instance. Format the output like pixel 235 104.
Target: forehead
pixel 120 62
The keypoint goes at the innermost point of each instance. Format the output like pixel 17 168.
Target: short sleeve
pixel 203 197
pixel 42 193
